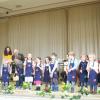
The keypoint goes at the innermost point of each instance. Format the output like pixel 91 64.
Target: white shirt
pixel 75 61
pixel 93 65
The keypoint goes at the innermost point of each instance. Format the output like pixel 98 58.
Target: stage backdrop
pixel 84 29
pixel 75 28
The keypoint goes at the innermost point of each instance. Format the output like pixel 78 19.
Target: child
pixel 38 73
pixel 71 70
pixel 92 69
pixel 99 74
pixel 5 75
pixel 28 70
pixel 19 71
pixel 6 69
pixel 47 72
pixel 83 72
pixel 53 72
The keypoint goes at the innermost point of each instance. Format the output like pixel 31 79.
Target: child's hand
pixel 80 71
pixel 51 74
pixel 73 77
pixel 94 80
pixel 69 70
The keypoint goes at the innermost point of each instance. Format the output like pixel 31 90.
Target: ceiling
pixel 13 7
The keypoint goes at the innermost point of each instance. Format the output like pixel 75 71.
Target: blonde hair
pixel 71 53
pixel 92 55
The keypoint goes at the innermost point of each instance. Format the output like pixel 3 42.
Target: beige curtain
pixel 84 29
pixel 39 33
pixel 3 36
pixel 76 28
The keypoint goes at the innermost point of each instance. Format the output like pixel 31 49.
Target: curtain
pixel 84 29
pixel 3 37
pixel 40 33
pixel 75 29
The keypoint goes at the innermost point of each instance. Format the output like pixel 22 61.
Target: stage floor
pixel 16 97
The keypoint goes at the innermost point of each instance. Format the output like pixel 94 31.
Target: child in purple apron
pixel 92 69
pixel 5 75
pixel 53 73
pixel 99 74
pixel 6 68
pixel 28 70
pixel 71 70
pixel 38 73
pixel 19 72
pixel 83 72
pixel 46 78
pixel 54 78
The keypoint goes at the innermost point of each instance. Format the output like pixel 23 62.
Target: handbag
pixel 15 78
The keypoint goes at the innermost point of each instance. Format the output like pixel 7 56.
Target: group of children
pixel 86 70
pixel 33 71
pixel 37 71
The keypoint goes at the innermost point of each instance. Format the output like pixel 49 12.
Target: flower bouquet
pixel 9 89
pixel 84 91
pixel 26 85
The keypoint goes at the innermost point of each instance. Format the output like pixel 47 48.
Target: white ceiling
pixel 23 6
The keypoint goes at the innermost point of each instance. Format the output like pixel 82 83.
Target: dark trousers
pixel 93 87
pixel 20 81
pixel 54 84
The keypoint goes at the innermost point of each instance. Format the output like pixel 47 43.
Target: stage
pixel 21 97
